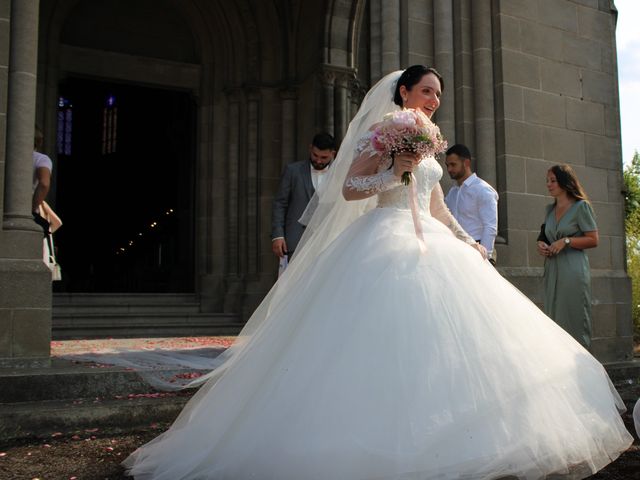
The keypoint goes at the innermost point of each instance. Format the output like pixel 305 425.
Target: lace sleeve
pixel 369 173
pixel 440 212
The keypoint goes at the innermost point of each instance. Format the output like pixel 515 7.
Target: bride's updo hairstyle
pixel 412 76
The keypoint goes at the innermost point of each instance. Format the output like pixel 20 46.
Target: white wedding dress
pixel 385 362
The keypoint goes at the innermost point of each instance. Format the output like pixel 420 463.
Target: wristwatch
pixel 567 241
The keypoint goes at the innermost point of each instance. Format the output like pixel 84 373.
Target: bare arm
pixel 43 175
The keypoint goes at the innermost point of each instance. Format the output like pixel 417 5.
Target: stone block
pixel 609 59
pixel 520 8
pixel 583 52
pixel 3 146
pixel 19 289
pixel 512 101
pixel 526 212
pixel 510 34
pixel 560 78
pixel 610 289
pixel 416 11
pixel 614 184
pixel 419 59
pixel 522 139
pixel 602 152
pixel 31 333
pixel 563 146
pixel 5 8
pixel 540 40
pixel 604 320
pixel 600 257
pixel 609 217
pixel 529 284
pixel 4 83
pixel 624 320
pixel 612 349
pixel 595 24
pixel 419 39
pixel 544 108
pixel 520 69
pixel 515 174
pixel 514 253
pixel 587 3
pixel 6 332
pixel 585 116
pixel 594 181
pixel 618 255
pixel 598 87
pixel 562 15
pixel 612 121
pixel 5 30
pixel 536 174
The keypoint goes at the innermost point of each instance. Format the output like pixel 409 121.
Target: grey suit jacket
pixel 293 195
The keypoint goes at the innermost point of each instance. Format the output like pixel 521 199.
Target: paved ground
pixel 89 453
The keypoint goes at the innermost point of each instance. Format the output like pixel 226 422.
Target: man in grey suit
pixel 297 185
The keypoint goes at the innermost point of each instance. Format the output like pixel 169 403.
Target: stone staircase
pixel 40 403
pixel 97 315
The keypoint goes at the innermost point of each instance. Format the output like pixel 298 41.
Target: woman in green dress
pixel 570 228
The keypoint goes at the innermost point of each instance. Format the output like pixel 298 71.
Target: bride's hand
pixel 481 249
pixel 404 162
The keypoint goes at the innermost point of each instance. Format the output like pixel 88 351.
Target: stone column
pixel 25 296
pixel 341 105
pixel 444 63
pixel 233 183
pixel 390 36
pixel 375 51
pixel 288 133
pixel 328 78
pixel 485 131
pixel 252 179
pixel 356 95
pixel 21 111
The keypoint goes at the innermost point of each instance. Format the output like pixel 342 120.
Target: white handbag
pixel 49 258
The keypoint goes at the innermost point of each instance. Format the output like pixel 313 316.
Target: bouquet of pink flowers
pixel 407 130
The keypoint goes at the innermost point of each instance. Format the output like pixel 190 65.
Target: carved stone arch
pixel 342 28
pixel 342 31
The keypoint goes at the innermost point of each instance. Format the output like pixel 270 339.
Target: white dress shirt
pixel 318 176
pixel 474 204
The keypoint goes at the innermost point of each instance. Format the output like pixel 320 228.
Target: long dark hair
pixel 568 181
pixel 412 76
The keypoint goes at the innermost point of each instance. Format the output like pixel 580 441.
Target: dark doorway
pixel 124 188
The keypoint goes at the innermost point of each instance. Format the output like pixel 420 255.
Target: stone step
pixel 69 384
pixel 45 418
pixel 142 324
pixel 80 304
pixel 83 309
pixel 63 299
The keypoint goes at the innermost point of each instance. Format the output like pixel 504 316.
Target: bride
pixel 378 356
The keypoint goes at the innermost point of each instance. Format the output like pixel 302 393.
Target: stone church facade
pixel 528 83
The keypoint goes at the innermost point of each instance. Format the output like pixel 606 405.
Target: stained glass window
pixel 109 125
pixel 65 126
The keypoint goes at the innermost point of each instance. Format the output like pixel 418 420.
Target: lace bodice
pixel 427 175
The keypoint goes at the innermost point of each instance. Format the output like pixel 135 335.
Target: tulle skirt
pixel 383 362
